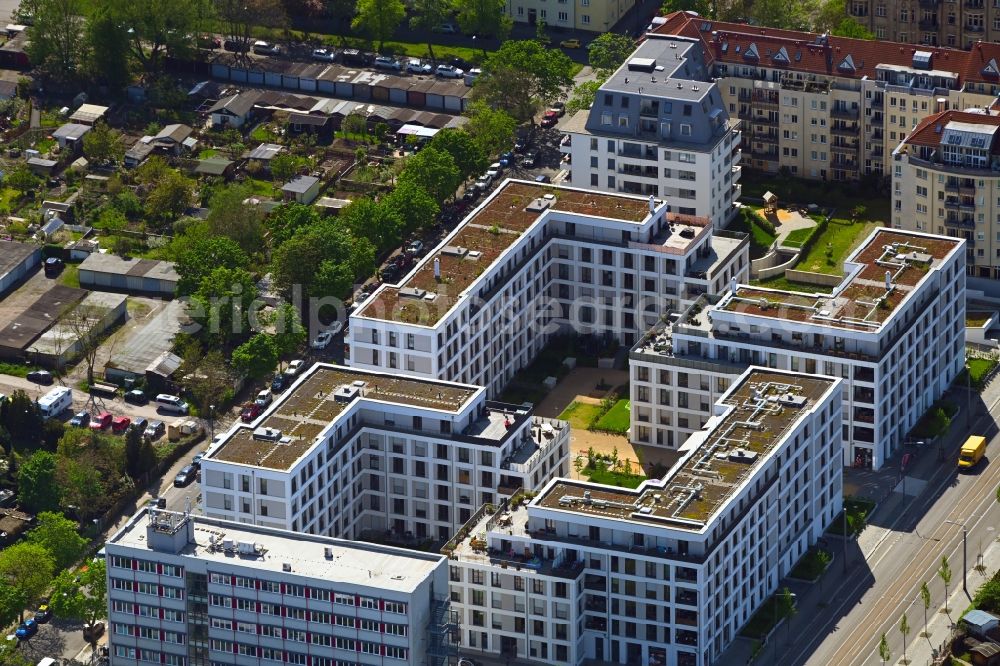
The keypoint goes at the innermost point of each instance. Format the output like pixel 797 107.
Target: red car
pixel 550 118
pixel 120 424
pixel 250 411
pixel 101 421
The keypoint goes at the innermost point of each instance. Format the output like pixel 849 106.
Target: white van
pixel 171 403
pixel 56 401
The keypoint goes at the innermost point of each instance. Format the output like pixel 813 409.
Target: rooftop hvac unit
pixel 228 545
pixel 328 553
pixel 268 434
pixel 286 567
pixel 247 547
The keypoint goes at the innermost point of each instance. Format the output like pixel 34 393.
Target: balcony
pixel 844 129
pixel 928 24
pixel 737 172
pixel 967 189
pixel 766 100
pixel 964 221
pixel 844 112
pixel 766 137
pixel 878 102
pixel 974 28
pixel 744 113
pixel 844 148
pixel 951 186
pixel 761 119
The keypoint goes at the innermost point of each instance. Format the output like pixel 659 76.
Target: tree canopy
pixel 287 220
pixel 55 45
pixel 609 51
pixel 37 486
pixel 412 205
pixel 257 357
pixel 373 221
pixel 231 217
pixel 484 18
pixel 204 256
pixel 434 171
pixel 28 567
pixel 221 305
pixel 379 19
pixel 103 145
pixel 522 76
pixel 57 535
pixel 324 259
pixel 83 595
pixel 468 155
pixel 492 129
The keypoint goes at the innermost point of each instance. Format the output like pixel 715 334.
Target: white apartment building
pixel 659 127
pixel 357 454
pixel 190 591
pixel 832 108
pixel 667 573
pixel 533 261
pixel 894 330
pixel 946 180
pixel 598 16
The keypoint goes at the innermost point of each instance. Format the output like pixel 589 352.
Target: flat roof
pixel 862 301
pixel 62 336
pixel 106 262
pixel 490 229
pixel 39 316
pixel 350 562
pixel 318 398
pixel 13 254
pixel 764 406
pixel 660 67
pixel 146 344
pixel 89 113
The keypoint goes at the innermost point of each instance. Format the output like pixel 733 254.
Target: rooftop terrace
pixel 867 297
pixel 288 429
pixel 765 406
pixel 421 298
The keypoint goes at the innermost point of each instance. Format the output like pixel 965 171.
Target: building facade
pixel 533 262
pixel 901 290
pixel 186 590
pixel 946 180
pixel 598 16
pixel 351 454
pixel 667 573
pixel 658 127
pixel 832 108
pixel 956 24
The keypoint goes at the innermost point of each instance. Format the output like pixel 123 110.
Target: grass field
pixel 839 238
pixel 70 276
pixel 601 474
pixel 783 283
pixel 975 319
pixel 760 239
pixel 616 419
pixel 978 369
pixel 840 196
pixel 797 237
pixel 580 414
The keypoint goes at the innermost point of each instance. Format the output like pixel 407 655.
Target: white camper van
pixel 56 401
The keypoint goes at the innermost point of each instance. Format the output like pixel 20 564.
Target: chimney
pixel 652 204
pixel 732 284
pixel 888 280
pixel 437 268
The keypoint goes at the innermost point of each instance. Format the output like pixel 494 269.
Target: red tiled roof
pixel 928 131
pixel 806 54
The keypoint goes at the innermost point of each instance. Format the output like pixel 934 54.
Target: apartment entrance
pixel 532 17
pixel 862 457
pixel 508 646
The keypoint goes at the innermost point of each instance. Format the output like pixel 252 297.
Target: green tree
pixel 103 145
pixel 904 628
pixel 610 50
pixel 112 221
pixel 324 259
pixel 287 220
pixel 944 573
pixel 257 357
pixel 241 17
pixel 82 596
pixel 28 567
pixel 170 197
pixel 284 166
pixel 152 171
pixel 12 603
pixel 21 179
pixel 54 43
pixel 204 256
pixel 82 485
pixel 786 608
pixel 485 18
pixel 221 305
pixel 37 483
pixel 140 457
pixel 583 96
pixel 522 76
pixel 107 43
pixel 884 653
pixel 289 333
pixel 374 221
pixel 700 6
pixel 427 15
pixel 379 19
pixel 849 27
pixel 412 205
pixel 925 597
pixel 22 418
pixel 434 171
pixel 158 27
pixel 230 216
pixel 468 154
pixel 786 14
pixel 57 535
pixel 356 124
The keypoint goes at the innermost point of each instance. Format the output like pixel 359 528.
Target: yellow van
pixel 972 452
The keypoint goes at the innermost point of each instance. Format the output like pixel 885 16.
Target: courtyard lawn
pixel 580 414
pixel 601 474
pixel 616 419
pixel 839 239
pixel 761 239
pixel 839 196
pixel 797 237
pixel 783 283
pixel 979 369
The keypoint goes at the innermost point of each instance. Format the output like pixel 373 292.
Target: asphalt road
pixel 880 585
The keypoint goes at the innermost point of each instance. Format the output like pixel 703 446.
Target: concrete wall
pixel 777 258
pixel 777 269
pixel 820 279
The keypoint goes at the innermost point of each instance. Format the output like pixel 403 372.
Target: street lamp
pixel 965 566
pixel 211 421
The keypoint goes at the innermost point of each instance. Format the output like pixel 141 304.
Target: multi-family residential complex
pixel 352 454
pixel 832 108
pixel 594 15
pixel 952 23
pixel 534 261
pixel 669 572
pixel 946 180
pixel 894 329
pixel 659 127
pixel 186 590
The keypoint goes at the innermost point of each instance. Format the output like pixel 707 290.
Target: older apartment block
pixel 667 573
pixel 901 290
pixel 352 454
pixel 595 15
pixel 659 127
pixel 186 590
pixel 534 261
pixel 949 23
pixel 832 108
pixel 946 180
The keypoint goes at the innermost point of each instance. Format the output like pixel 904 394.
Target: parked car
pixel 446 29
pixel 261 47
pixel 471 194
pixel 390 273
pixel 154 430
pixel 196 461
pixel 140 424
pixel 416 66
pixel 185 476
pixel 92 631
pixel 44 612
pixel 520 144
pixel 322 341
pixel 136 397
pixel 235 46
pixel 449 72
pixel 573 43
pixel 102 421
pixel 80 420
pixel 250 411
pixel 560 107
pixel 415 246
pixel 550 118
pixel 324 55
pixel 530 159
pixel 40 377
pixel 484 182
pixel 263 398
pixel 387 63
pixel 494 171
pixel 171 403
pixel 209 42
pixel 53 266
pixel 26 629
pixel 295 367
pixel 507 159
pixel 120 424
pixel 355 57
pixel 278 383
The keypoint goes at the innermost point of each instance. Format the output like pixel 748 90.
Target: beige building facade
pixel 932 22
pixel 598 16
